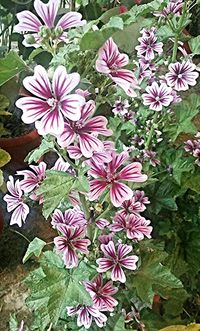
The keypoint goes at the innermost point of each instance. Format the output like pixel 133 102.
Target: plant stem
pixel 21 235
pixel 178 32
pixel 148 142
pixel 84 205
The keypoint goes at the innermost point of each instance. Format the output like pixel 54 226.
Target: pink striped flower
pixel 149 46
pixel 115 260
pixel 85 130
pixel 15 202
pixel 102 293
pixel 70 243
pixel 132 207
pixel 182 75
pixel 50 103
pixel 108 176
pixel 101 223
pixel 71 217
pixel 174 8
pixel 110 62
pixel 157 96
pixel 28 22
pixel 87 314
pixel 105 238
pixel 136 227
pixel 32 178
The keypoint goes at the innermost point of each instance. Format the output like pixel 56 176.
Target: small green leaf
pixel 34 248
pixel 54 189
pixel 4 157
pixel 45 147
pixel 10 66
pixel 194 44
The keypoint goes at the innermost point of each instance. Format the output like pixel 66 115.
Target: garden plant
pixel 112 89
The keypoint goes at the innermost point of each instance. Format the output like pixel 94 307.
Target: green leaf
pixel 1 178
pixel 53 287
pixel 54 189
pixel 4 157
pixel 10 66
pixel 127 39
pixel 114 323
pixel 152 273
pixel 95 39
pixel 185 112
pixel 34 248
pixel 45 147
pixel 192 182
pixel 194 44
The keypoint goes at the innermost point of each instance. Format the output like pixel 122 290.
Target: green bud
pixel 45 32
pixel 57 32
pixel 29 39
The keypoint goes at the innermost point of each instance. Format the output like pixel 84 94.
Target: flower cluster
pixel 193 147
pixel 99 220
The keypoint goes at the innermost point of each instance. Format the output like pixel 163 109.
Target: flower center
pixel 157 98
pixel 180 76
pixel 53 103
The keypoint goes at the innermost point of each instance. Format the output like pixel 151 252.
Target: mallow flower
pixel 45 19
pixel 108 176
pixel 51 102
pixel 85 131
pixel 15 202
pixel 111 62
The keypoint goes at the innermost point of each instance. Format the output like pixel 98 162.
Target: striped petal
pixel 47 12
pixel 132 173
pixel 33 108
pixel 39 83
pixel 71 106
pixel 119 192
pixel 89 144
pixel 71 20
pixel 27 22
pixel 97 187
pixel 63 83
pixel 51 123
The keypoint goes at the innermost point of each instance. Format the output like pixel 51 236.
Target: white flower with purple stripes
pixel 50 103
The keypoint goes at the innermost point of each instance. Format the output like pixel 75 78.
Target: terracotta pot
pixel 19 147
pixel 1 221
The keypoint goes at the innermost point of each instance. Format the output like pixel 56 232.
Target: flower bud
pixel 57 32
pixel 29 39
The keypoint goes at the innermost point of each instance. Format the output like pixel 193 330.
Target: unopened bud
pixel 29 39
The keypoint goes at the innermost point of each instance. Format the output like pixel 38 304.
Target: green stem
pixel 21 235
pixel 84 205
pixel 178 32
pixel 65 157
pixel 148 142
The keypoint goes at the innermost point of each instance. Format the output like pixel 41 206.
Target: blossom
pixel 136 226
pixel 47 14
pixel 182 75
pixel 115 260
pixel 157 96
pixel 173 7
pixel 61 165
pixel 110 62
pixel 140 197
pixel 50 103
pixel 105 238
pixel 86 314
pixel 108 176
pixel 101 223
pixel 121 107
pixel 151 156
pixel 132 206
pixel 148 46
pixel 85 130
pixel 33 178
pixel 70 243
pixel 196 154
pixel 71 217
pixel 102 293
pixel 15 202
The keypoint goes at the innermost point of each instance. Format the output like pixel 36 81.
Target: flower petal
pixel 39 83
pixel 33 108
pixel 51 123
pixel 97 187
pixel 47 12
pixel 70 20
pixel 89 144
pixel 27 22
pixel 132 172
pixel 118 274
pixel 119 192
pixel 63 83
pixel 71 106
